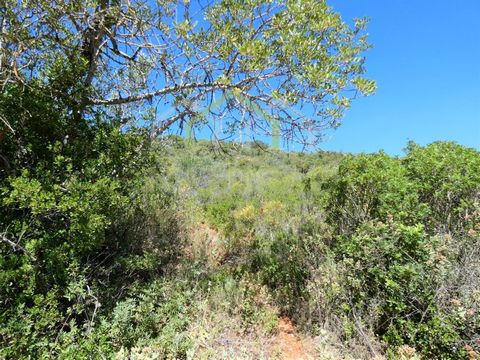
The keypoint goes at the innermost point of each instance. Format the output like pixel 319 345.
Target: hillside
pixel 119 239
pixel 226 250
pixel 367 255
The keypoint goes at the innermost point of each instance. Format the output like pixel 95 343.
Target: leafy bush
pixel 278 262
pixel 369 187
pixel 447 179
pixel 93 264
pixel 394 220
pixel 389 275
pixel 69 194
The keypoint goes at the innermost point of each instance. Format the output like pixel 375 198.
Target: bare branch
pixel 164 91
pixel 15 246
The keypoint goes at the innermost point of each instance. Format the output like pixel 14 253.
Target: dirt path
pixel 287 343
pixel 290 345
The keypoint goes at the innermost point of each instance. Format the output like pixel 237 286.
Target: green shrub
pixel 388 265
pixel 67 199
pixel 391 283
pixel 369 187
pixel 278 262
pixel 447 179
pixel 393 221
pixel 220 213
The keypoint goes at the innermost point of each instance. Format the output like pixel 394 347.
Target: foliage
pixel 65 225
pixel 389 276
pixel 356 249
pixel 370 187
pixel 97 254
pixel 253 62
pixel 394 221
pixel 69 190
pixel 278 263
pixel 446 177
pixel 356 246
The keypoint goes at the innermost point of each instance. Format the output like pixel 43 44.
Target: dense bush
pixel 70 192
pixel 369 187
pixel 398 225
pixel 446 177
pixel 278 262
pixel 97 256
pixel 373 250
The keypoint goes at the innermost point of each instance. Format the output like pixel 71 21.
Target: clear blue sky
pixel 426 61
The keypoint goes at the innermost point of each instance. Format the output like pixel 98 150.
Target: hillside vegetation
pixel 119 240
pixel 202 250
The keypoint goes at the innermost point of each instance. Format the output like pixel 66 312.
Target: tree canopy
pixel 262 65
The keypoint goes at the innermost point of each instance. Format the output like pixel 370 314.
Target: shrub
pixel 447 179
pixel 371 187
pixel 390 285
pixel 65 224
pixel 278 262
pixel 68 196
pixel 388 264
pixel 219 213
pixel 393 221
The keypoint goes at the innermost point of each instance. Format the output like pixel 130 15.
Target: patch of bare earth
pixel 288 344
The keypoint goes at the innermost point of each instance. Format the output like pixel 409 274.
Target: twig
pixel 15 246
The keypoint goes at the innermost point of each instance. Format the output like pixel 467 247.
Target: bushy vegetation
pixel 103 253
pixel 70 192
pixel 99 257
pixel 373 249
pixel 115 243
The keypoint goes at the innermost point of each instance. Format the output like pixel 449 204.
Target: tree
pixel 288 65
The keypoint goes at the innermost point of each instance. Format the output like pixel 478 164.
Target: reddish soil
pixel 290 345
pixel 287 344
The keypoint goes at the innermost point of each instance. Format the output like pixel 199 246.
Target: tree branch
pixel 164 91
pixel 15 246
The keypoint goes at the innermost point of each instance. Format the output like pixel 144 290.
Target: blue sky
pixel 426 61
